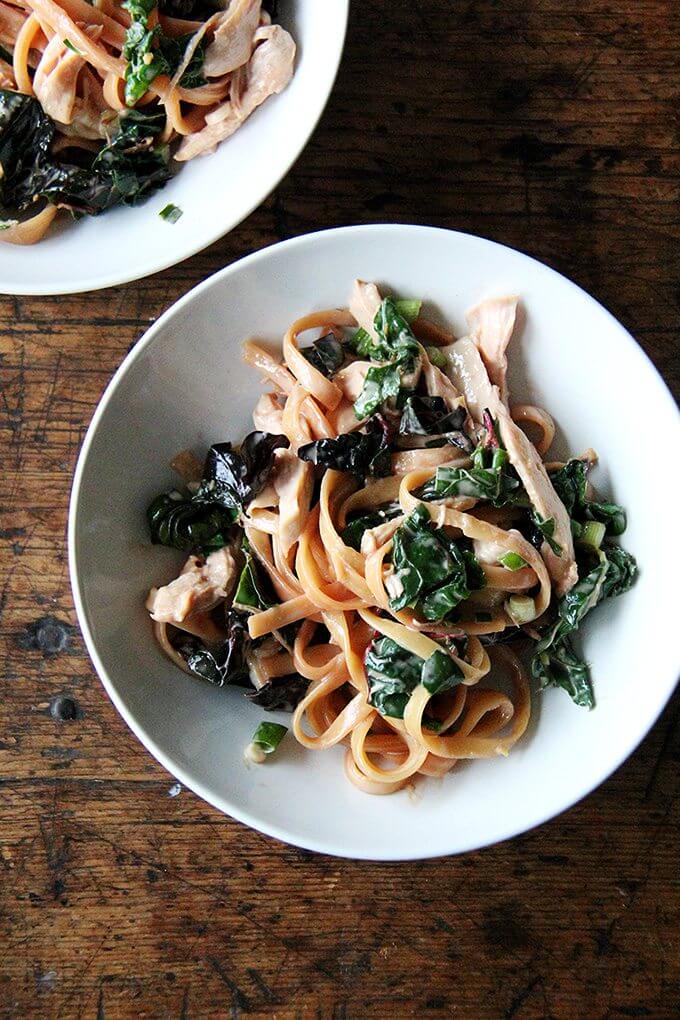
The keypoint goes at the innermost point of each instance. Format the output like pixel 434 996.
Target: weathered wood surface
pixel 546 124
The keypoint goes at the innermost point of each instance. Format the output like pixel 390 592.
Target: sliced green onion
pixel 266 739
pixel 69 46
pixel 521 609
pixel 409 308
pixel 592 533
pixel 171 213
pixel 436 357
pixel 8 224
pixel 513 561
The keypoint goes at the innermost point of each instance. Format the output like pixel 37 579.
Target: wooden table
pixel 548 125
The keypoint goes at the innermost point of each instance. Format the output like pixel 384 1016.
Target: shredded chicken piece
pixel 268 414
pixel 232 43
pixel 293 480
pixel 535 479
pixel 201 585
pixel 491 325
pixel 351 378
pixel 364 303
pixel 269 71
pixel 468 371
pixel 56 78
pixel 373 538
pixel 439 385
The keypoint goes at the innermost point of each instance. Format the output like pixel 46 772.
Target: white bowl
pixel 215 192
pixel 184 385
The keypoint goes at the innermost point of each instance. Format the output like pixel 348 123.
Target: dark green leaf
pixel 429 416
pixel 281 693
pixel 173 49
pixel 392 674
pixel 621 571
pixel 382 383
pixel 253 592
pixel 126 169
pixel 202 522
pixel 233 478
pixel 224 664
pixel 546 529
pixel 325 354
pixel 559 666
pixel 361 453
pixel 554 661
pixel 490 478
pixel 354 531
pixel 434 573
pixel 397 350
pixel 570 484
pixel 189 524
pixel 440 673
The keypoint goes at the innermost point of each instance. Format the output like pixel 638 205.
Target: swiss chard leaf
pixel 149 52
pixel 361 453
pixel 143 63
pixel 382 383
pixel 393 673
pixel 554 662
pixel 233 478
pixel 326 354
pixel 282 693
pixel 570 484
pixel 490 478
pixel 127 169
pixel 440 673
pixel 253 591
pixel 431 570
pixel 544 530
pixel 397 350
pixel 560 666
pixel 226 663
pixel 621 571
pixel 202 522
pixel 173 48
pixel 189 524
pixel 429 416
pixel 354 530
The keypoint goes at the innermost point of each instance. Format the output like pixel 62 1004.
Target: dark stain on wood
pixel 48 635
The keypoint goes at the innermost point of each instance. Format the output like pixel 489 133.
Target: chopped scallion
pixel 409 308
pixel 266 739
pixel 69 46
pixel 521 609
pixel 171 213
pixel 513 561
pixel 592 533
pixel 436 357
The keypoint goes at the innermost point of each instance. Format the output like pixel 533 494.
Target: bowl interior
pixel 185 386
pixel 215 192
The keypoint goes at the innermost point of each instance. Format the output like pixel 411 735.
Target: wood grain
pixel 550 126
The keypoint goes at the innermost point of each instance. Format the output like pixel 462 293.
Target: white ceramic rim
pixel 116 280
pixel 222 804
